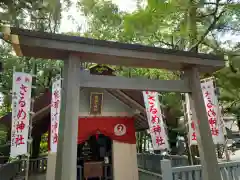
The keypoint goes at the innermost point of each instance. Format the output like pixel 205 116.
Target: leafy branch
pixel 211 26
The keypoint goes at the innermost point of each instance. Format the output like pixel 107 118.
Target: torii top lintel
pixel 56 46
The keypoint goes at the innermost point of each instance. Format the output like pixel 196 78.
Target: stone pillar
pixel 66 161
pixel 124 161
pixel 206 147
pixel 51 166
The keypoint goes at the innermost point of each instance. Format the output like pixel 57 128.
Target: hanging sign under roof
pixel 96 103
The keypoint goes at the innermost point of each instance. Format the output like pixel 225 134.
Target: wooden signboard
pixel 96 101
pixel 93 169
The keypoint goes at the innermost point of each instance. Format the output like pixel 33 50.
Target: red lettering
pixel 156 129
pixel 24 88
pixel 151 100
pixel 55 126
pixel 211 113
pixel 207 94
pixel 27 80
pixel 159 140
pixel 194 137
pixel 153 110
pixel 210 104
pixel 154 119
pixel 56 94
pixel 19 140
pixel 150 92
pixel 212 121
pixel 55 138
pixel 193 125
pixel 21 102
pixel 20 126
pixel 18 79
pixel 21 114
pixel 56 104
pixel 214 131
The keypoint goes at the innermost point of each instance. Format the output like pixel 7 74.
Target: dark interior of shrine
pixel 97 149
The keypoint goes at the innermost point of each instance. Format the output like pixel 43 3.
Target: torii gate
pixel 73 50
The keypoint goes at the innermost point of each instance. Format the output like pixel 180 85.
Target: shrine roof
pixel 131 98
pixel 59 46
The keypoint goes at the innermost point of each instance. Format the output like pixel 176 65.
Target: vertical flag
pixel 213 114
pixel 21 103
pixel 157 127
pixel 55 114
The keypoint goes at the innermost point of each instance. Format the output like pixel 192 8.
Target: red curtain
pixel 109 126
pixel 106 125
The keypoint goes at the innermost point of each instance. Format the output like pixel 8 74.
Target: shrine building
pixel 107 122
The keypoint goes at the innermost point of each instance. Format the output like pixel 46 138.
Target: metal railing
pixel 13 169
pixel 229 171
pixel 10 170
pixel 147 175
pixel 152 162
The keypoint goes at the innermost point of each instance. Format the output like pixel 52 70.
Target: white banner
pixel 55 113
pixel 191 124
pixel 213 113
pixel 21 102
pixel 157 127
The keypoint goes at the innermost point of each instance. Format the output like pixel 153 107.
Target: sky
pixel 68 25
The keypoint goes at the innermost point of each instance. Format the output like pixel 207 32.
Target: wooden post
pixel 29 142
pixel 186 137
pixel 206 147
pixel 166 168
pixel 66 163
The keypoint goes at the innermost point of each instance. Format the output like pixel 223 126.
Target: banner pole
pixel 31 113
pixel 186 124
pixel 222 121
pixel 29 141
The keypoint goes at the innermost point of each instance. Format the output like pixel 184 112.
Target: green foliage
pixel 228 81
pixel 3 134
pixel 44 144
pixel 45 70
pixel 43 15
pixel 4 150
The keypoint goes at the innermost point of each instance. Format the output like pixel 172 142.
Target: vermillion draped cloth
pixel 106 125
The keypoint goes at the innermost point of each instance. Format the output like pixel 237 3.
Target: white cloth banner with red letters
pixel 55 113
pixel 213 114
pixel 21 103
pixel 157 127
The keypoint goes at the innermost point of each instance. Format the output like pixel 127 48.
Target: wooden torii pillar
pixel 73 50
